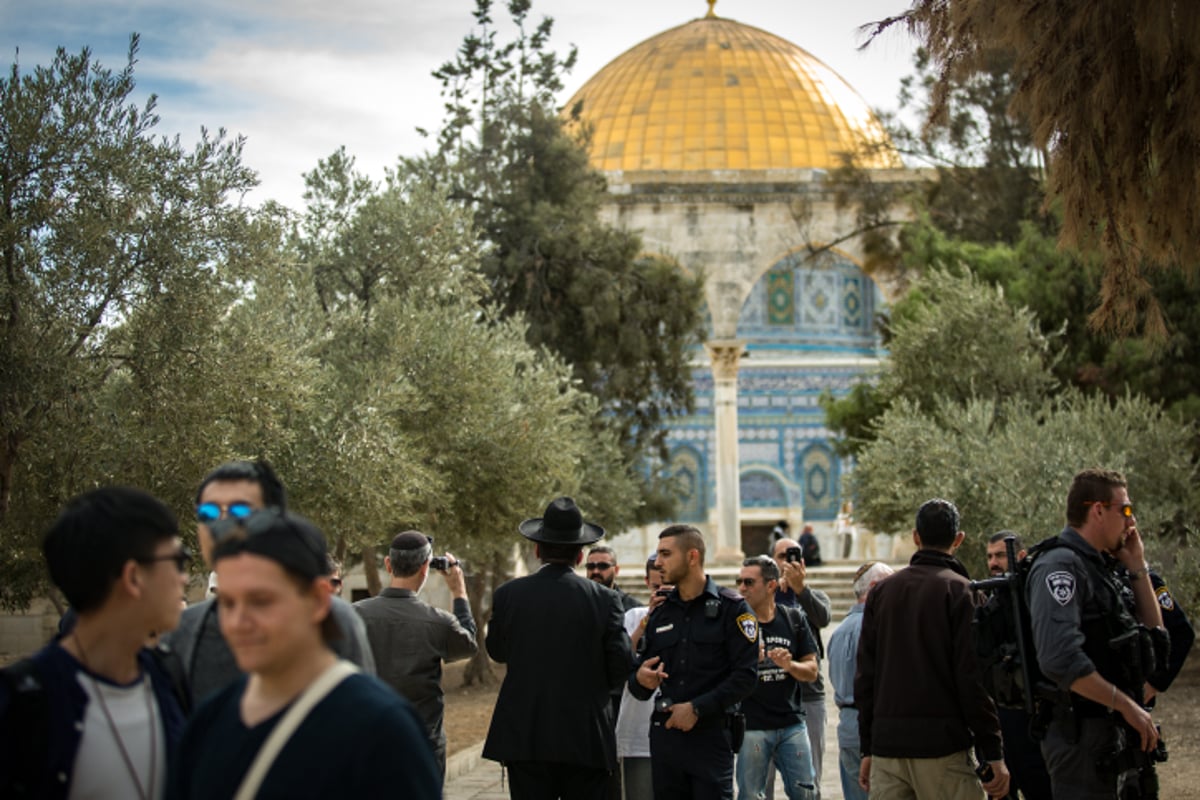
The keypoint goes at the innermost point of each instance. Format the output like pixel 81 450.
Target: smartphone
pixel 985 773
pixel 794 554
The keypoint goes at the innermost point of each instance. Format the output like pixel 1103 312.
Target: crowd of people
pixel 273 686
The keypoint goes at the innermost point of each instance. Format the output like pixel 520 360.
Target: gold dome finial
pixel 711 13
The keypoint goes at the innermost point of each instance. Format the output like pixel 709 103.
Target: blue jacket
pixel 66 709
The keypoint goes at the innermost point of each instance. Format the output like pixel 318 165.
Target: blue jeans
pixel 849 761
pixel 793 758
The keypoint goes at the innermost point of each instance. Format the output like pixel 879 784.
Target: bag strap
pixel 315 693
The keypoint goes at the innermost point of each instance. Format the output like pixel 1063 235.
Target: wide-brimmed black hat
pixel 561 524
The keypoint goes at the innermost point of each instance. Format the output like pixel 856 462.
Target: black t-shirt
pixel 776 700
pixel 361 740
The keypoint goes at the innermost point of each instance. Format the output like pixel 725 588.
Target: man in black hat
pixel 563 639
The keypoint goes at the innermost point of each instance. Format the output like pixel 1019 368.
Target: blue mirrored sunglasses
pixel 211 512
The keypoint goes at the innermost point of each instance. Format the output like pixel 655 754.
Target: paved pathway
pixel 471 777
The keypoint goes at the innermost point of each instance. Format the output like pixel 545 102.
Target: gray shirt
pixel 411 640
pixel 210 664
pixel 1062 593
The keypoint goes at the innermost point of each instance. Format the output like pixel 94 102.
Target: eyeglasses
pixel 598 566
pixel 746 581
pixel 182 558
pixel 211 512
pixel 1126 509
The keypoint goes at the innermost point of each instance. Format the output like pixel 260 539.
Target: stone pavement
pixel 471 777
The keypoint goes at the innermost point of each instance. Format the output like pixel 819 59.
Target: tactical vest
pixel 1123 650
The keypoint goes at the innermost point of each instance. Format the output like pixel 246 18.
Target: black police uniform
pixel 709 650
pixel 1076 611
pixel 1179 628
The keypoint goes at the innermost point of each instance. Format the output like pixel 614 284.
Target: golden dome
pixel 714 94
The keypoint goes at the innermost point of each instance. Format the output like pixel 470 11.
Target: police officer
pixel 1086 640
pixel 1179 629
pixel 701 655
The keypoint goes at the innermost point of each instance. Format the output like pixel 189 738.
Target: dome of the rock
pixel 715 94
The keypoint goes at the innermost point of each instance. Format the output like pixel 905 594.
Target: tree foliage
pixel 121 254
pixel 1005 438
pixel 1008 464
pixel 951 337
pixel 430 410
pixel 979 212
pixel 1107 90
pixel 624 322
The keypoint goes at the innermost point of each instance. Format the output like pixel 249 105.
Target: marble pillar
pixel 726 354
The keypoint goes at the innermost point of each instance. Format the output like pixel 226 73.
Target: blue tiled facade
pixel 805 319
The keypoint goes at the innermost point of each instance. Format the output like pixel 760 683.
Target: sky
pixel 299 78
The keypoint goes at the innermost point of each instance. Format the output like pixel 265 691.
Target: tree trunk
pixel 8 460
pixel 371 570
pixel 479 669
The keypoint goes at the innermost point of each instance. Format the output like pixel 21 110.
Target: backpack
pixel 1003 633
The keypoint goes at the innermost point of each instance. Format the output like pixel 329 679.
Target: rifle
pixel 1011 650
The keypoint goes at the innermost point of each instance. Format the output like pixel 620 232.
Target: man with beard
pixel 1022 754
pixel 601 566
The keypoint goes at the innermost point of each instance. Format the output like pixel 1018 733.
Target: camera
pixel 794 554
pixel 441 563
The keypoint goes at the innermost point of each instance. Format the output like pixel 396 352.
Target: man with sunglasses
pixel 94 714
pixel 235 490
pixel 787 657
pixel 601 566
pixel 412 638
pixel 1079 622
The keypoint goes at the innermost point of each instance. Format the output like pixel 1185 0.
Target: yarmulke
pixel 410 540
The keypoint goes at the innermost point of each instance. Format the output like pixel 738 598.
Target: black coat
pixel 563 639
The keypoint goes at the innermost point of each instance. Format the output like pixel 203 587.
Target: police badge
pixel 748 624
pixel 1062 586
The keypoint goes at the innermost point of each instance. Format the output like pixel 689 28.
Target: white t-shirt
pixel 633 718
pixel 100 772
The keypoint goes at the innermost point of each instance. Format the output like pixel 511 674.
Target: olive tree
pixel 122 253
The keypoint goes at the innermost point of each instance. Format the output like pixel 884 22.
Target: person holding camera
pixel 410 638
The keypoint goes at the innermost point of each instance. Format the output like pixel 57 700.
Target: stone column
pixel 725 355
